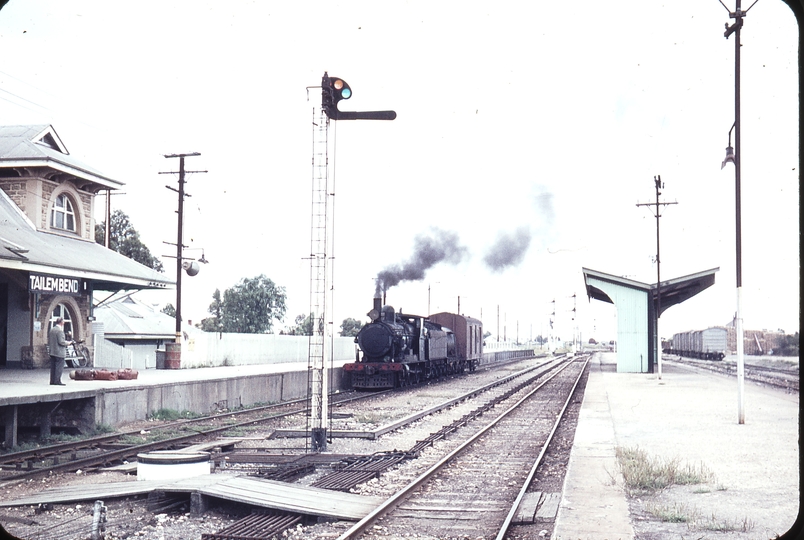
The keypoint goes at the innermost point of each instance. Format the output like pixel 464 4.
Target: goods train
pixel 400 349
pixel 709 344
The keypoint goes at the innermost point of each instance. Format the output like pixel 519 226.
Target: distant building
pixel 755 342
pixel 140 329
pixel 50 264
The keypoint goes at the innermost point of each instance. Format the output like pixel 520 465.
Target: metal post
pixel 735 28
pixel 738 223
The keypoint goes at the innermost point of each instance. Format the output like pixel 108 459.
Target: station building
pixel 50 264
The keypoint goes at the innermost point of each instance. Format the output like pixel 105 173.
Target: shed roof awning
pixel 675 291
pixel 666 294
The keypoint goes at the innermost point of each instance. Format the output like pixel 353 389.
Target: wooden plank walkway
pixel 244 489
pixel 293 498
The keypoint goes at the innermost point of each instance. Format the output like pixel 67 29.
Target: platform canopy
pixel 673 291
pixel 636 304
pixel 24 248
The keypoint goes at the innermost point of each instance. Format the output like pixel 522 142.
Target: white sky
pixel 549 120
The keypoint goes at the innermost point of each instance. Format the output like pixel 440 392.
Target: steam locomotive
pixel 400 349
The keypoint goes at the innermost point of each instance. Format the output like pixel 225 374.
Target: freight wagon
pixel 708 344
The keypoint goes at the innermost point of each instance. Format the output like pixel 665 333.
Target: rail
pixel 401 495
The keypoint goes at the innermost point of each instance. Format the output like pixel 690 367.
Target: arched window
pixel 62 215
pixel 61 311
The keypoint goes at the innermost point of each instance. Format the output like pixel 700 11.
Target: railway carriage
pixel 397 349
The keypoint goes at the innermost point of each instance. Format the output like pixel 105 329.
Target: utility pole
pixel 179 237
pixel 657 181
pixel 107 231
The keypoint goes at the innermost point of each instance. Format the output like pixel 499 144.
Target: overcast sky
pixel 526 134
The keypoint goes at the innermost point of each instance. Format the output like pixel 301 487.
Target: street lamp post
pixel 734 157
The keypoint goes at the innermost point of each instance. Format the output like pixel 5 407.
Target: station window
pixel 62 311
pixel 62 215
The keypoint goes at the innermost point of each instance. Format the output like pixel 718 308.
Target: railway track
pixel 105 450
pixel 461 394
pixel 476 489
pixel 781 378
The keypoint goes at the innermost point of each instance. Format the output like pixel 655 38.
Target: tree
pixel 250 307
pixel 213 324
pixel 350 327
pixel 124 239
pixel 788 346
pixel 169 310
pixel 303 326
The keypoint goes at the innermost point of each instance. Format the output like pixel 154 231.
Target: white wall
pixel 203 349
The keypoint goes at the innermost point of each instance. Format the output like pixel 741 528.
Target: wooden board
pixel 244 489
pixel 537 506
pixel 293 497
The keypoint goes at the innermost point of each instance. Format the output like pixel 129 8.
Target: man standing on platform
pixel 58 350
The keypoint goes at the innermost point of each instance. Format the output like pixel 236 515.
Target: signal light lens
pixel 346 93
pixel 338 84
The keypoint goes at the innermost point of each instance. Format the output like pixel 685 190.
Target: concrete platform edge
pixel 593 502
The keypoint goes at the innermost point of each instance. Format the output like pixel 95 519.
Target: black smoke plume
pixel 428 250
pixel 509 250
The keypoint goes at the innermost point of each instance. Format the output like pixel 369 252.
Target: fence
pixel 210 349
pixel 106 354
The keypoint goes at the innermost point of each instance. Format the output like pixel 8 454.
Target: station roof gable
pixel 32 146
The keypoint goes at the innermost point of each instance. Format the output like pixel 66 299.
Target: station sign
pixel 48 284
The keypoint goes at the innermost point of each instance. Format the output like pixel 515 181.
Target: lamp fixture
pixel 729 151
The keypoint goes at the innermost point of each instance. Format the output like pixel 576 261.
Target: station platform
pixel 23 385
pixel 28 400
pixel 691 416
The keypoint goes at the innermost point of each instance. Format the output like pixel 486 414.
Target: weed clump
pixel 645 475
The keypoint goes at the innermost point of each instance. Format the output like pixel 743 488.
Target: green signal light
pixel 346 93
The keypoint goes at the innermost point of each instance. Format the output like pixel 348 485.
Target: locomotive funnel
pixel 374 314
